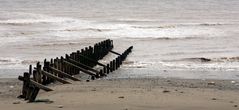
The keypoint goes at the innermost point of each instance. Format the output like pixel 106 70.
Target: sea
pixel 189 39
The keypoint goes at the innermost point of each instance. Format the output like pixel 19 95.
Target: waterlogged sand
pixel 128 94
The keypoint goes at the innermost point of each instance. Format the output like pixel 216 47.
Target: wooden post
pixel 91 56
pixel 59 63
pixel 108 69
pixel 30 69
pixel 105 70
pixel 25 78
pixel 46 68
pixel 39 76
pixel 102 74
pixel 117 63
pixel 111 66
pixel 83 53
pixel 27 83
pixel 63 65
pixel 34 93
pixel 52 72
pixel 75 58
pixel 67 66
pixel 55 64
pixel 44 78
pixel 120 60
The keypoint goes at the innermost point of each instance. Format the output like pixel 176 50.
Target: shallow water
pixel 174 35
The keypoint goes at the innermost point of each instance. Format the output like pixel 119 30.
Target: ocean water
pixel 171 38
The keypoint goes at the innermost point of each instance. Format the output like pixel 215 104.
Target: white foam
pixel 137 64
pixel 14 63
pixel 33 21
pixel 30 18
pixel 226 66
pixel 76 28
pixel 127 31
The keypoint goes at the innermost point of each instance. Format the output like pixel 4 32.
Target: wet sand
pixel 128 94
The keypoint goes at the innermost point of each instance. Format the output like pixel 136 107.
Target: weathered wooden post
pixel 73 56
pixel 108 69
pixel 104 70
pixel 30 69
pixel 52 72
pixel 82 58
pixel 111 66
pixel 62 65
pixel 117 63
pixel 33 90
pixel 28 88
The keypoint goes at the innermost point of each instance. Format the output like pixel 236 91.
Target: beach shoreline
pixel 128 94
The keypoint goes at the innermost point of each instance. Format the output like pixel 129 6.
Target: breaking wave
pixel 14 61
pixel 65 27
pixel 209 60
pixel 202 63
pixel 180 25
pixel 18 18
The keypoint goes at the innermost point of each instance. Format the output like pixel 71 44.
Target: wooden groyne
pixel 62 68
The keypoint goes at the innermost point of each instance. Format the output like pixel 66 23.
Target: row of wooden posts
pixel 60 69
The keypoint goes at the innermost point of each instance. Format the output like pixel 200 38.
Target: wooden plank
pixel 114 52
pixel 92 60
pixel 82 65
pixel 40 86
pixel 55 77
pixel 80 68
pixel 64 74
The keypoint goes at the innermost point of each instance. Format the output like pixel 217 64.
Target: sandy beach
pixel 185 53
pixel 127 94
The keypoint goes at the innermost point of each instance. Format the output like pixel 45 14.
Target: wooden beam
pixel 55 77
pixel 114 52
pixel 64 74
pixel 83 65
pixel 40 86
pixel 92 60
pixel 80 68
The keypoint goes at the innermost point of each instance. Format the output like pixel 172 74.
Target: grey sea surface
pixel 193 39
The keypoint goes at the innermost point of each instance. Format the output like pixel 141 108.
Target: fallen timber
pixel 60 69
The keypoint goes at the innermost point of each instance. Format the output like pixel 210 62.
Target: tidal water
pixel 171 38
